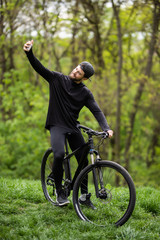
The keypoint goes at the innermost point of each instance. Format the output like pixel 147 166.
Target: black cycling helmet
pixel 87 69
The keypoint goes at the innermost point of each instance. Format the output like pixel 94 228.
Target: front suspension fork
pixel 95 180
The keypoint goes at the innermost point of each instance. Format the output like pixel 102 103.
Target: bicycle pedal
pixel 102 194
pixel 50 182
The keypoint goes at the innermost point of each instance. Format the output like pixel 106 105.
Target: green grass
pixel 25 214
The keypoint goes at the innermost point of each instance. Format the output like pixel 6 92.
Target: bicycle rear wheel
pixel 116 191
pixel 47 180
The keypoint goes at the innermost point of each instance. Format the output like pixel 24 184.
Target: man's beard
pixel 74 79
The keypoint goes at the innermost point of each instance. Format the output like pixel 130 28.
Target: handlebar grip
pixel 106 135
pixel 92 132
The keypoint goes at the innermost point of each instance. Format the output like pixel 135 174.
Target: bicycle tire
pixel 46 169
pixel 120 199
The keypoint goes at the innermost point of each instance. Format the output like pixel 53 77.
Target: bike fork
pixel 94 176
pixel 100 192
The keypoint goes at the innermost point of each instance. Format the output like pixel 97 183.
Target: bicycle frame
pixel 86 148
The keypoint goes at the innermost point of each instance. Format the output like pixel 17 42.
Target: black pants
pixel 75 140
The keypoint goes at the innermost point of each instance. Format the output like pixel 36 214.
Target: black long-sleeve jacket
pixel 67 98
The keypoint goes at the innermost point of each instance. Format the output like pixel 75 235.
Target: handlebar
pixel 91 132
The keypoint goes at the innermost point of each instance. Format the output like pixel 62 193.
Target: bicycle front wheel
pixel 115 199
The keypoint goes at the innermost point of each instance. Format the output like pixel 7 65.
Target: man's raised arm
pixel 38 67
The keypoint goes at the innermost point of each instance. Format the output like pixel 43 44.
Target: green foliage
pixel 25 109
pixel 65 34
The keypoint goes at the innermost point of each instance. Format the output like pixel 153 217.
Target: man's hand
pixel 28 45
pixel 110 133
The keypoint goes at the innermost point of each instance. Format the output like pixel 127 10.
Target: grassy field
pixel 25 214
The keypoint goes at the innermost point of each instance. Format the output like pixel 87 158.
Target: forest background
pixel 122 41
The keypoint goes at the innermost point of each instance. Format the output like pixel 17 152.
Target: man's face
pixel 77 74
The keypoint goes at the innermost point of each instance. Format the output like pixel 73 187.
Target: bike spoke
pixel 114 196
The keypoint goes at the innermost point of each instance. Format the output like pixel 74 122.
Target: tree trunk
pixel 2 57
pixel 11 48
pixel 120 62
pixel 156 20
pixel 2 52
pixel 75 59
pixel 94 19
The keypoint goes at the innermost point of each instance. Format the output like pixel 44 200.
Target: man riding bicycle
pixel 68 95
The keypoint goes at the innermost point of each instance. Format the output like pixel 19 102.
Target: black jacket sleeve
pixel 92 105
pixel 38 67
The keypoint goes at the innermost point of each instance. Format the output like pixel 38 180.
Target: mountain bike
pixel 110 186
